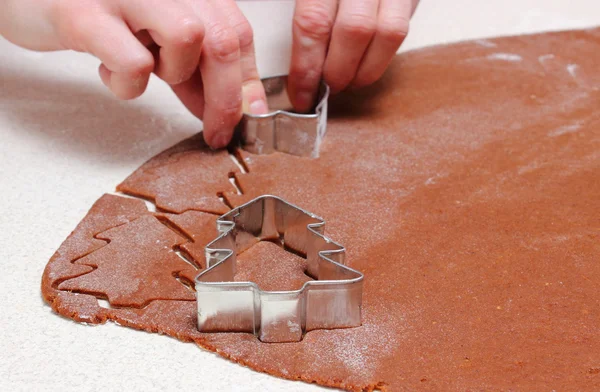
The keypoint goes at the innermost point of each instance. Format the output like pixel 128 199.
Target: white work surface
pixel 64 141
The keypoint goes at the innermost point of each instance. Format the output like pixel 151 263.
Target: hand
pixel 345 42
pixel 204 49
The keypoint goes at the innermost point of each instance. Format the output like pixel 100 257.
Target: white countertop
pixel 64 142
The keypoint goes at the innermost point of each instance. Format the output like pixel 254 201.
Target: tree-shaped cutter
pixel 333 300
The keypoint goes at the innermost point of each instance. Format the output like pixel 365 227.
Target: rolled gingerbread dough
pixel 465 185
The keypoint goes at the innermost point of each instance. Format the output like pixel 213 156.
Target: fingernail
pixel 258 107
pixel 304 100
pixel 220 140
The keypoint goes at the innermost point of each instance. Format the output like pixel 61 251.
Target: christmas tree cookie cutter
pixel 282 129
pixel 333 300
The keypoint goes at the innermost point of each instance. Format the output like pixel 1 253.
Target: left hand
pixel 345 42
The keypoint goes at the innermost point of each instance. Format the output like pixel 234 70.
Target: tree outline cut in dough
pixel 139 257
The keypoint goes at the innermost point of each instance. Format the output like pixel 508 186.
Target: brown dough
pixel 465 185
pixel 168 176
pixel 107 212
pixel 199 227
pixel 129 269
pixel 271 267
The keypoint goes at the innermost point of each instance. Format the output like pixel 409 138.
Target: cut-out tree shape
pixel 138 265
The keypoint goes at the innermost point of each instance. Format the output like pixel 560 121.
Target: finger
pixel 175 27
pixel 254 99
pixel 414 5
pixel 105 75
pixel 392 28
pixel 353 30
pixel 127 63
pixel 191 94
pixel 221 76
pixel 313 22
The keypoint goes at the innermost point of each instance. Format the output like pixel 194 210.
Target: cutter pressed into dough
pixel 282 129
pixel 333 300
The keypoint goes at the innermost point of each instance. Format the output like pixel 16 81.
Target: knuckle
pixel 358 26
pixel 232 109
pixel 393 29
pixel 223 44
pixel 245 34
pixel 228 103
pixel 228 111
pixel 188 32
pixel 314 22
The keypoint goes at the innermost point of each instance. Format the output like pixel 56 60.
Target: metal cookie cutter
pixel 282 129
pixel 334 300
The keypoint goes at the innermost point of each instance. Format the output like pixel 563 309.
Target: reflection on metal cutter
pixel 282 129
pixel 334 300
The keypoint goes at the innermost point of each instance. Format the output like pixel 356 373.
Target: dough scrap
pixel 464 186
pixel 199 227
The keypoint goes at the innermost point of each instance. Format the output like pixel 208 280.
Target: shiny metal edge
pixel 339 285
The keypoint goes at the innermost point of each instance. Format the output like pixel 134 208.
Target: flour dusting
pixel 505 57
pixel 355 350
pixel 545 57
pixel 572 69
pixel 486 43
pixel 571 128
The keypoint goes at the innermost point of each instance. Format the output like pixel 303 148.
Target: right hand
pixel 204 49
